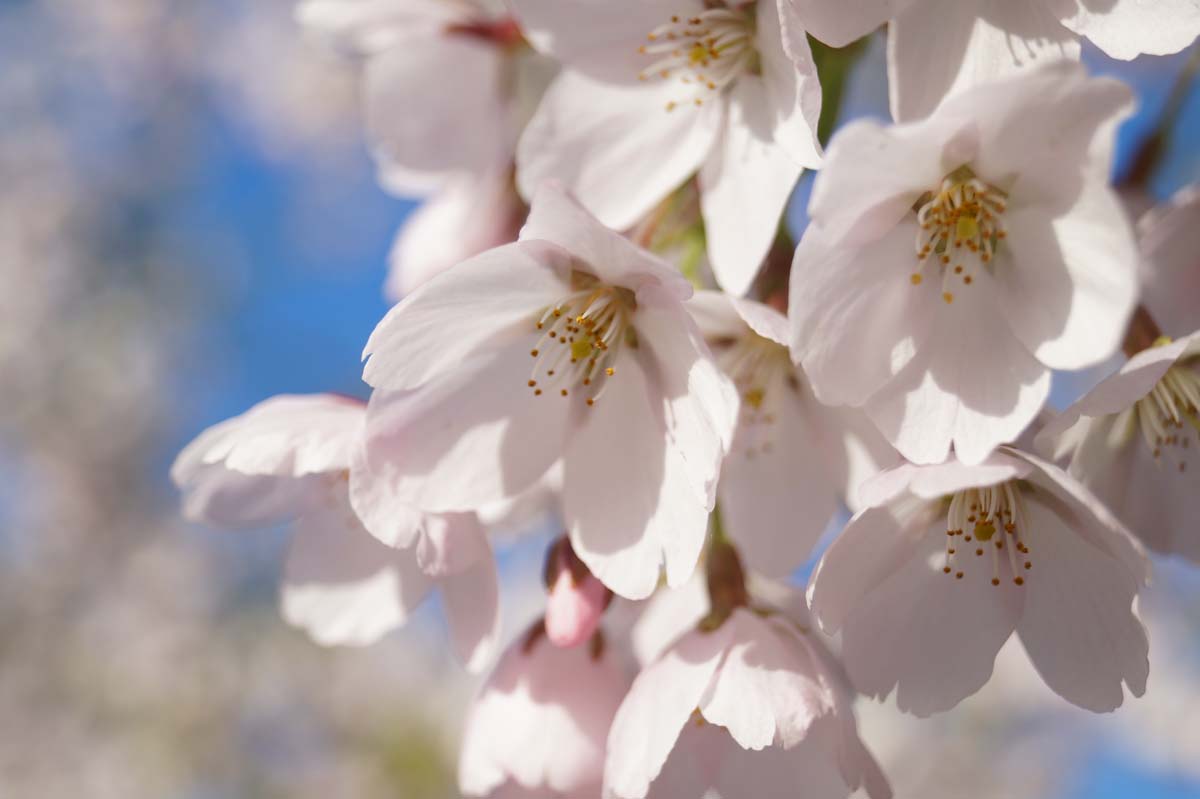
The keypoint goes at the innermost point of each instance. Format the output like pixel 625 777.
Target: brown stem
pixel 1142 332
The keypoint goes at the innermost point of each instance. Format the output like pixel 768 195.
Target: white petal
pixel 1157 500
pixel 370 26
pixel 595 37
pixel 700 402
pixel 472 601
pixel 658 705
pixel 744 187
pixel 344 587
pixel 875 543
pixel 237 501
pixel 451 543
pixel 627 497
pixel 476 437
pixel 937 48
pixel 285 436
pixel 455 82
pixel 715 314
pixel 478 306
pixel 392 520
pixel 777 489
pixel 617 148
pixel 931 636
pixel 856 318
pixel 539 722
pixel 666 616
pixel 768 689
pixel 1170 238
pixel 1068 287
pixel 557 218
pixel 935 481
pixel 469 215
pixel 837 23
pixel 1128 28
pixel 789 75
pixel 1078 624
pixel 973 384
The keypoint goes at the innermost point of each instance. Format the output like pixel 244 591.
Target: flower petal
pixel 472 601
pixel 837 23
pixel 478 306
pixel 627 497
pixel 1126 29
pixel 789 75
pixel 617 148
pixel 1170 238
pixel 1078 625
pixel 341 585
pixel 932 637
pixel 744 187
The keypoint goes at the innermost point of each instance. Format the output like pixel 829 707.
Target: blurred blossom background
pixel 189 223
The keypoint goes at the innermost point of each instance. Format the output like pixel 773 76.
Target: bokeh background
pixel 189 223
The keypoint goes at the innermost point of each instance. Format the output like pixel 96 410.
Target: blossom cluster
pixel 592 323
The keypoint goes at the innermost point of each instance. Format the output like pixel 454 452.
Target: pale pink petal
pixel 874 545
pixel 540 721
pixel 700 402
pixel 392 520
pixel 455 84
pixel 777 490
pixel 716 316
pixel 1068 285
pixel 471 598
pixel 469 215
pixel 767 689
pixel 285 436
pixel 762 319
pixel 838 23
pixel 943 479
pixel 236 501
pixel 453 446
pixel 973 384
pixel 789 76
pixel 930 636
pixel 596 37
pixel 627 497
pixel 937 48
pixel 574 610
pixel 481 305
pixel 370 26
pixel 667 615
pixel 1156 499
pixel 616 148
pixel 451 543
pixel 744 187
pixel 859 302
pixel 1128 28
pixel 1170 239
pixel 341 585
pixel 1078 624
pixel 557 218
pixel 658 705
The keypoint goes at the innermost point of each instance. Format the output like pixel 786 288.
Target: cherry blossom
pixel 757 701
pixel 1169 237
pixel 1134 441
pixel 792 457
pixel 571 344
pixel 938 47
pixel 929 581
pixel 538 725
pixel 291 459
pixel 654 92
pixel 952 263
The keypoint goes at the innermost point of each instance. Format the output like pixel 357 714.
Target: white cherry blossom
pixel 569 345
pixel 1169 237
pixel 654 92
pixel 952 263
pixel 793 458
pixel 1134 440
pixel 938 47
pixel 929 581
pixel 290 459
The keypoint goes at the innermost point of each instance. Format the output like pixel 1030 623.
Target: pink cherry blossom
pixel 537 727
pixel 952 263
pixel 654 92
pixel 569 345
pixel 1134 441
pixel 929 581
pixel 938 47
pixel 291 459
pixel 793 458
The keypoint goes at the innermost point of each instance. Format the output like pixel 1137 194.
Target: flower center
pixel 959 228
pixel 705 52
pixel 987 519
pixel 760 368
pixel 1164 412
pixel 580 338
